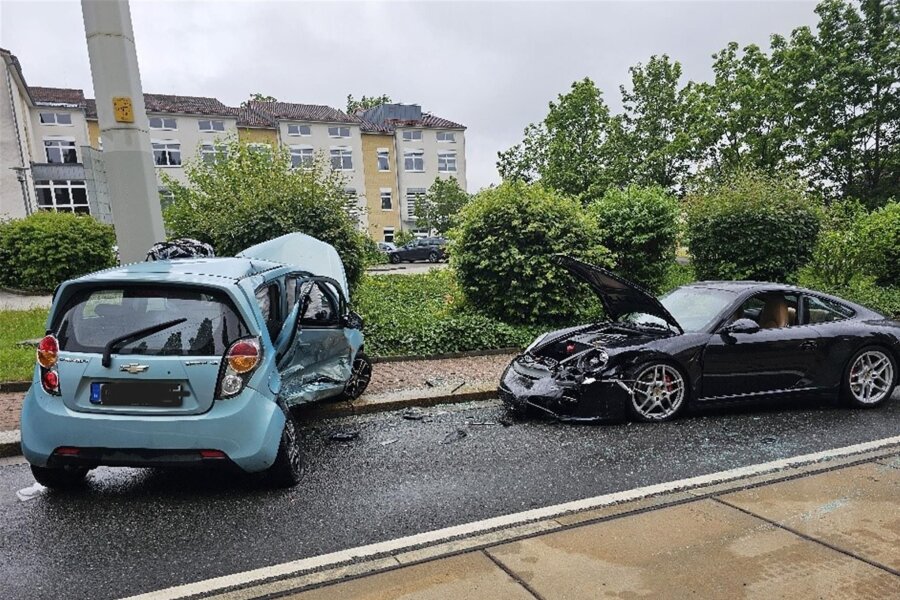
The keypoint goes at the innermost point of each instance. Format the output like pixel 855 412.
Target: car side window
pixel 771 310
pixel 820 310
pixel 269 300
pixel 322 309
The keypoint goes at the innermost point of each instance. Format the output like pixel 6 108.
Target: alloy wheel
pixel 658 392
pixel 359 378
pixel 871 377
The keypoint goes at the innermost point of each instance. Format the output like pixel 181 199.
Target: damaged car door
pixel 315 347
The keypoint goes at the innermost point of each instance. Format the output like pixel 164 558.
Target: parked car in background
pixel 193 361
pixel 432 249
pixel 387 247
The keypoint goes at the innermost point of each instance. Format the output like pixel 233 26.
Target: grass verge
pixel 16 362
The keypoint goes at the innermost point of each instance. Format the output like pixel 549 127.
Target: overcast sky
pixel 492 66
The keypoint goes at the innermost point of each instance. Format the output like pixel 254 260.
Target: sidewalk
pixel 826 530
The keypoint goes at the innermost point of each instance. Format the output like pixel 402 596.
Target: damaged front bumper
pixel 526 383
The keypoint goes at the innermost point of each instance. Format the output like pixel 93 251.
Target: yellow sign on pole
pixel 122 109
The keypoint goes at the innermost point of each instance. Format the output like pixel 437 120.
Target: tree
pixel 246 197
pixel 257 97
pixel 365 103
pixel 440 205
pixel 567 151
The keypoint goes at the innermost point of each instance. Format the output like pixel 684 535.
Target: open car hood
pixel 618 296
pixel 304 252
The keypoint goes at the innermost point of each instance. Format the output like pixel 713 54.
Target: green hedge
pixel 752 226
pixel 639 225
pixel 879 237
pixel 41 251
pixel 502 251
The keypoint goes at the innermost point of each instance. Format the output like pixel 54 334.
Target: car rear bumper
pixel 600 400
pixel 247 429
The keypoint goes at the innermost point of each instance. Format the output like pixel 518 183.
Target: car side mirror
pixel 352 320
pixel 742 326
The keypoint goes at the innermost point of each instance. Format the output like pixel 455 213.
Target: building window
pixel 259 148
pixel 446 136
pixel 301 156
pixel 303 130
pixel 60 151
pixel 166 197
pixel 62 196
pixel 351 202
pixel 342 159
pixel 339 132
pixel 412 135
pixel 447 162
pixel 163 123
pixel 412 195
pixel 384 162
pixel 55 118
pixel 387 202
pixel 209 126
pixel 414 160
pixel 167 153
pixel 389 235
pixel 213 153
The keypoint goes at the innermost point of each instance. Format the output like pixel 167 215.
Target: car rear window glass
pixel 93 317
pixel 820 310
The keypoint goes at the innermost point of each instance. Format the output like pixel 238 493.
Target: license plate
pixel 137 394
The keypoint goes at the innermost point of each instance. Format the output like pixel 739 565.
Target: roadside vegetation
pixel 17 362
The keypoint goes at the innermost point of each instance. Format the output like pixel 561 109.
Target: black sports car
pixel 708 341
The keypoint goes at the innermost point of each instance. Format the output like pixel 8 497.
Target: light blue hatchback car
pixel 192 362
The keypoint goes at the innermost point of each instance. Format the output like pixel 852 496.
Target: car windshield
pixel 93 317
pixel 694 308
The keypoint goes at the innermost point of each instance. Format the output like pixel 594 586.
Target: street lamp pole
pixel 127 154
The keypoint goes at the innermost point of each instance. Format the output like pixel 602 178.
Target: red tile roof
pixel 302 112
pixel 428 121
pixel 55 96
pixel 188 105
pixel 247 117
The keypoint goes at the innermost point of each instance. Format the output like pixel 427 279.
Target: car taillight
pixel 47 357
pixel 47 351
pixel 240 360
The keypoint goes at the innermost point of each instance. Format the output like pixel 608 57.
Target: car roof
pixel 185 269
pixel 743 286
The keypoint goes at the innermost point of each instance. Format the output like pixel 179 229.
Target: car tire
pixel 287 470
pixel 874 370
pixel 360 376
pixel 60 478
pixel 395 259
pixel 659 392
pixel 433 257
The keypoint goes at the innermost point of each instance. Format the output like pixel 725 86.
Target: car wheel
pixel 360 376
pixel 60 478
pixel 433 257
pixel 394 259
pixel 658 392
pixel 287 470
pixel 870 378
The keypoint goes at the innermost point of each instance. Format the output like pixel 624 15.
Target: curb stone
pixel 10 443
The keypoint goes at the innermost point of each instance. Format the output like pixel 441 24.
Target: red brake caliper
pixel 668 380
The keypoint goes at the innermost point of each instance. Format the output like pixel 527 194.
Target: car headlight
pixel 537 341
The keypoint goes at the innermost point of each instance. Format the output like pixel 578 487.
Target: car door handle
pixel 809 345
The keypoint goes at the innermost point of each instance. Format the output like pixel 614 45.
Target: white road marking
pixel 441 535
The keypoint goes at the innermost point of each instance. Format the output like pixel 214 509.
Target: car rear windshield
pixel 93 317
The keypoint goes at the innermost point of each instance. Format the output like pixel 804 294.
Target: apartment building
pixel 389 155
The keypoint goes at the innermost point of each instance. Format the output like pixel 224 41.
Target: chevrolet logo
pixel 134 368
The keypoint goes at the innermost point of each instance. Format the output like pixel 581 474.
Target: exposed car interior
pixel 771 310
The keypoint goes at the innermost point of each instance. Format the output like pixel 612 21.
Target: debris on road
pixel 769 440
pixel 413 414
pixel 454 436
pixel 483 423
pixel 506 421
pixel 31 492
pixel 344 435
pixel 390 441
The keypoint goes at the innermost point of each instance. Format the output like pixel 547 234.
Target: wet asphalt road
pixel 135 531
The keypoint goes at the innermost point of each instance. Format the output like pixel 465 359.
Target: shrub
pixel 502 251
pixel 248 197
pixel 752 226
pixel 425 314
pixel 401 238
pixel 639 225
pixel 879 243
pixel 41 251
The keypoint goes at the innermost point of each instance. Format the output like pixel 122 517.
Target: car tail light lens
pixel 50 381
pixel 212 454
pixel 240 360
pixel 47 351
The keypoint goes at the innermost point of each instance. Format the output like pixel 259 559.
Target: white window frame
pixel 166 197
pixel 306 154
pixel 351 202
pixel 387 231
pixel 412 135
pixel 62 143
pixel 413 154
pixel 168 149
pixel 299 127
pixel 389 194
pixel 259 147
pixel 56 116
pixel 383 153
pixel 344 153
pixel 447 159
pixel 412 195
pixel 211 128
pixel 449 137
pixel 55 184
pixel 163 126
pixel 212 153
pixel 338 131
